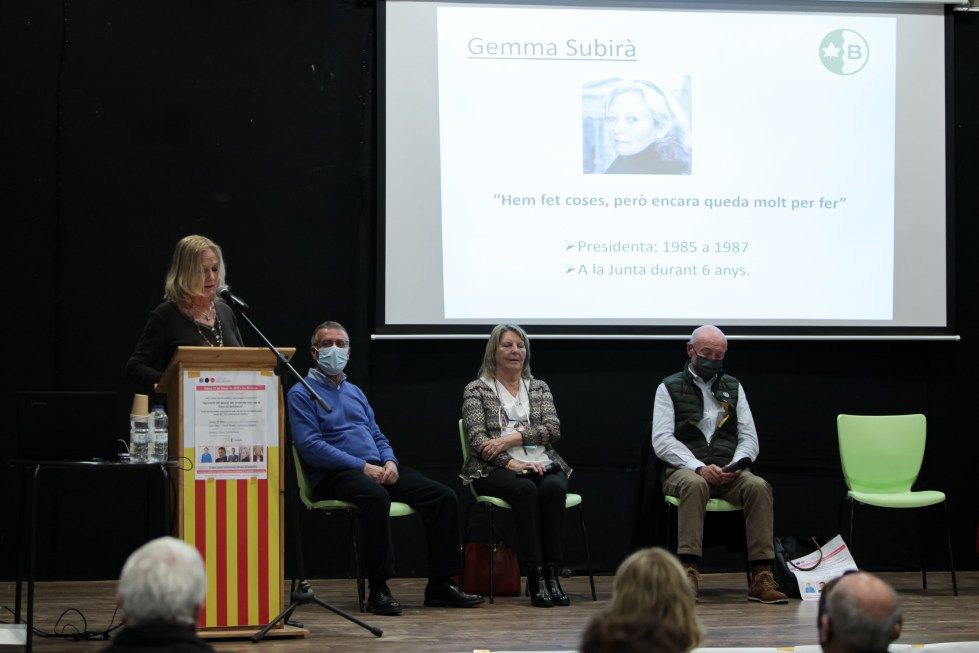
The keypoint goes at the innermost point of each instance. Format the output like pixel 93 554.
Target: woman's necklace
pixel 217 333
pixel 515 393
pixel 208 314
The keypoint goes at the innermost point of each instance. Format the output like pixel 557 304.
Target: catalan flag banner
pixel 230 497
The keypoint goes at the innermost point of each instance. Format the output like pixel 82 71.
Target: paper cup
pixel 140 405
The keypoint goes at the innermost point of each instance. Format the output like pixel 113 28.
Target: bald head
pixel 708 332
pixel 875 597
pixel 862 614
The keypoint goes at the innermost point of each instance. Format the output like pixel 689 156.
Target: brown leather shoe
pixel 764 589
pixel 694 577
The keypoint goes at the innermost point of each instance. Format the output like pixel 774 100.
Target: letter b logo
pixel 844 52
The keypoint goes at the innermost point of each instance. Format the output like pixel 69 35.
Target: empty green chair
pixel 328 506
pixel 881 456
pixel 492 503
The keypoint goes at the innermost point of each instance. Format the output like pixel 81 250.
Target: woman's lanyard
pixel 501 413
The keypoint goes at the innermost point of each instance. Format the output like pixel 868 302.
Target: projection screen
pixel 633 167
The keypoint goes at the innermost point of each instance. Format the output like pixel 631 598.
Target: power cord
pixel 70 631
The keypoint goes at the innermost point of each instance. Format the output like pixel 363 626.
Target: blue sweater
pixel 347 438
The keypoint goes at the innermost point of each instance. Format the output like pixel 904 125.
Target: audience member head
pixel 500 337
pixel 196 271
pixel 859 613
pixel 652 582
pixel 616 633
pixel 162 581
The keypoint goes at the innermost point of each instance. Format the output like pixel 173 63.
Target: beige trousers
pixel 752 493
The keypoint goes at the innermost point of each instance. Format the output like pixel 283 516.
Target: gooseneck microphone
pixel 736 465
pixel 235 302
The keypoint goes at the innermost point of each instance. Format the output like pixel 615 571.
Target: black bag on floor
pixel 788 549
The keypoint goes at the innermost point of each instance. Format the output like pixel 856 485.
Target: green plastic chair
pixel 492 503
pixel 881 456
pixel 713 505
pixel 329 506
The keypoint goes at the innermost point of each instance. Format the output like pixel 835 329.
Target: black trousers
pixel 436 503
pixel 538 510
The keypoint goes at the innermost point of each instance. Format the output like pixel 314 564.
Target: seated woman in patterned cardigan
pixel 512 425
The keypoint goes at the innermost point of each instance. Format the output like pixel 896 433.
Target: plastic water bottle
pixel 160 447
pixel 139 438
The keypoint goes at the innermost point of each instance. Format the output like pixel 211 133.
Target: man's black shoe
pixel 447 595
pixel 380 601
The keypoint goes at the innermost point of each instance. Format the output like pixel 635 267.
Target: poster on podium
pixel 231 501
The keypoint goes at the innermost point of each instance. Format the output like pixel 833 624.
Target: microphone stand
pixel 304 594
pixel 282 361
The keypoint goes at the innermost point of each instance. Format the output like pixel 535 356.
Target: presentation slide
pixel 662 166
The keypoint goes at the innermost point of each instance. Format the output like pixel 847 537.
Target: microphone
pixel 235 302
pixel 736 465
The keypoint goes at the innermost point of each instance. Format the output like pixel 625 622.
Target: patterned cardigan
pixel 480 411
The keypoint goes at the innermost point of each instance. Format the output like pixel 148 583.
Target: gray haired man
pixel 161 593
pixel 703 430
pixel 859 613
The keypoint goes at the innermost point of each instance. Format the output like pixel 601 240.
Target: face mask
pixel 332 360
pixel 706 368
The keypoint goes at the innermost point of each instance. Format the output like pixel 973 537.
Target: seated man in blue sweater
pixel 350 459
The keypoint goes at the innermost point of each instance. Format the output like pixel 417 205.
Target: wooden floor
pixel 511 624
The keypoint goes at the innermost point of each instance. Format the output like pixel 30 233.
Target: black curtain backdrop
pixel 129 125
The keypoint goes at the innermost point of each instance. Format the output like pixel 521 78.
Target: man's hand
pixel 376 473
pixel 493 447
pixel 389 475
pixel 715 475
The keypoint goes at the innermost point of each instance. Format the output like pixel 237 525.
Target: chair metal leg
pixel 584 539
pixel 361 589
pixel 492 544
pixel 922 530
pixel 747 566
pixel 923 545
pixel 951 560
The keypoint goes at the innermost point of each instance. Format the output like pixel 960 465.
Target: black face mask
pixel 707 368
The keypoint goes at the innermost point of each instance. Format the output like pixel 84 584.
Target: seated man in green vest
pixel 701 423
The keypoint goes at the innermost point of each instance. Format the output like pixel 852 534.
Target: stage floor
pixel 512 625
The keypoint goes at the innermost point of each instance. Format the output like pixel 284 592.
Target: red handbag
pixel 506 569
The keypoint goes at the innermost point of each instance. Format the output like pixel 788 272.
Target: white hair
pixel 163 580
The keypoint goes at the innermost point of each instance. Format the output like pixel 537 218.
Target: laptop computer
pixel 68 425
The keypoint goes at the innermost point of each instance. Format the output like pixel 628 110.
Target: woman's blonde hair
pixel 185 279
pixel 675 143
pixel 652 582
pixel 488 369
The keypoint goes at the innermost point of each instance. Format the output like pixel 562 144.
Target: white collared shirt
pixel 674 452
pixel 327 380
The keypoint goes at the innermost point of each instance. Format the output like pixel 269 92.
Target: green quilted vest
pixel 688 408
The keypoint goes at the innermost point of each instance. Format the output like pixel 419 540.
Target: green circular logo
pixel 844 52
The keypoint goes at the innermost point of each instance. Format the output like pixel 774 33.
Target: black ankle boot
pixel 537 587
pixel 558 597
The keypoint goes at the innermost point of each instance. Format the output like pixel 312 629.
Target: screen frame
pixel 384 331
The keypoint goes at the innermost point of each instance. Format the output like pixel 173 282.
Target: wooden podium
pixel 229 400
